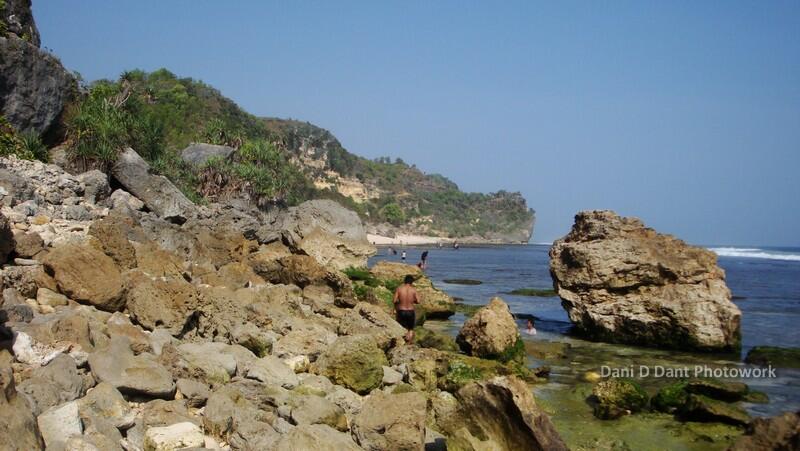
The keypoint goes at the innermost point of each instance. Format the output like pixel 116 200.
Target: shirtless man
pixel 404 299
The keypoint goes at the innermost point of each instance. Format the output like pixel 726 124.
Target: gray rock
pixel 132 374
pixel 53 384
pixel 391 422
pixel 199 153
pixel 391 376
pixel 14 189
pixel 159 413
pixel 319 437
pixel 212 360
pixel 123 200
pixel 50 297
pixel 36 87
pixel 272 370
pixel 159 338
pixel 96 186
pixel 311 409
pixel 16 313
pixel 105 401
pixel 196 393
pixel 59 424
pixel 18 427
pixel 77 213
pixel 27 245
pixel 18 18
pixel 156 191
pixel 172 437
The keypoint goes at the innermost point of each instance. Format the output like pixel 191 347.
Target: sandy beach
pixel 410 240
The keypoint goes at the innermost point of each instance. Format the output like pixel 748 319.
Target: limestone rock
pixel 319 437
pixel 199 153
pixel 105 401
pixel 18 426
pixel 504 411
pixel 156 191
pixel 86 275
pixel 354 361
pixel 370 319
pixel 119 325
pixel 18 18
pixel 173 437
pixel 395 421
pixel 435 303
pixel 490 331
pixel 213 361
pixel 112 232
pixel 96 187
pixel 59 424
pixel 36 87
pixel 196 393
pixel 160 302
pixel 27 244
pixel 51 298
pixel 622 282
pixel 53 384
pixel 272 370
pixel 129 373
pixel 312 409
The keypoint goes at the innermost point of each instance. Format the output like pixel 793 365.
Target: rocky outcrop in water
pixel 622 282
pixel 490 332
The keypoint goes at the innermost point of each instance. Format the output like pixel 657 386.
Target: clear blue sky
pixel 686 114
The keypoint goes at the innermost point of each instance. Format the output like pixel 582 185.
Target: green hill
pixel 278 162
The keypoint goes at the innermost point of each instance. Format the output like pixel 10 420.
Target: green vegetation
pixel 539 292
pixel 26 145
pixel 775 356
pixel 426 338
pixel 671 397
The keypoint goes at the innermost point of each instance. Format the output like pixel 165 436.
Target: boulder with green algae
pixel 354 361
pixel 704 409
pixel 426 338
pixel 670 398
pixel 717 389
pixel 491 332
pixel 617 397
pixel 775 356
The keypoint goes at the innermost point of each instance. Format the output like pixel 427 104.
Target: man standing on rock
pixel 405 296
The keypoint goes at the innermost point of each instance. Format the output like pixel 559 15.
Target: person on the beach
pixel 455 245
pixel 424 260
pixel 403 256
pixel 529 329
pixel 405 296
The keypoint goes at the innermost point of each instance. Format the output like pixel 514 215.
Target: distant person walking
pixel 424 260
pixel 403 256
pixel 455 245
pixel 405 296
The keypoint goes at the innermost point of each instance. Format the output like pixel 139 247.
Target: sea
pixel 764 281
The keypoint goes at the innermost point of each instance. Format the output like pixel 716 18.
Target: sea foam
pixel 751 252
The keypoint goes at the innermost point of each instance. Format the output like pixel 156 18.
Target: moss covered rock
pixel 670 398
pixel 354 361
pixel 705 409
pixel 775 356
pixel 427 338
pixel 617 397
pixel 717 389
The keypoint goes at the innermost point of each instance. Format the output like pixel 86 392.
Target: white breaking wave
pixel 748 252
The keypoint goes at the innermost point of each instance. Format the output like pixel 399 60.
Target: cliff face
pixel 395 197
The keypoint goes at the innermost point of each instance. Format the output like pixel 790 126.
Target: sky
pixel 685 114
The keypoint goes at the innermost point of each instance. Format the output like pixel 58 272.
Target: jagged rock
pixel 25 279
pixel 372 320
pixel 124 201
pixel 780 433
pixel 214 362
pixel 156 191
pixel 112 232
pixel 504 414
pixel 434 303
pixel 319 437
pixel 312 409
pixel 159 413
pixel 173 437
pixel 298 364
pixel 354 361
pixel 253 338
pixel 622 282
pixel 242 413
pixel 391 376
pixel 326 231
pixel 161 302
pixel 18 19
pixel 105 401
pixel 18 427
pixel 490 332
pixel 64 329
pixel 53 384
pixel 196 393
pixel 617 397
pixel 96 187
pixel 305 271
pixel 98 434
pixel 36 87
pixel 59 424
pixel 129 373
pixel 272 370
pixel 119 325
pixel 27 244
pixel 86 275
pixel 199 153
pixel 395 421
pixel 157 262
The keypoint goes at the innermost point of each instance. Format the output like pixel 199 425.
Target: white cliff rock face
pixel 622 282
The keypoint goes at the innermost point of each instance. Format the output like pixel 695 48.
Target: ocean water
pixel 765 283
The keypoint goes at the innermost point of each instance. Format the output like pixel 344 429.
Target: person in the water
pixel 529 329
pixel 405 296
pixel 424 260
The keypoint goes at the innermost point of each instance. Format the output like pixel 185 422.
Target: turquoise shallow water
pixel 765 284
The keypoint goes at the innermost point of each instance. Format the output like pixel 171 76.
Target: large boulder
pixel 53 384
pixel 490 332
pixel 326 231
pixel 501 413
pixel 36 87
pixel 620 281
pixel 393 421
pixel 156 191
pixel 166 302
pixel 130 374
pixel 354 361
pixel 199 153
pixel 18 427
pixel 319 437
pixel 86 275
pixel 434 302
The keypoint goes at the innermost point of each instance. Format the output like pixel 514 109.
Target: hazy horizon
pixel 684 114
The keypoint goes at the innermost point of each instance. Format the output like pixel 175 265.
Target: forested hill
pixel 276 161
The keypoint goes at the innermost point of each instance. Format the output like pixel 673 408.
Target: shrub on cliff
pixel 27 145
